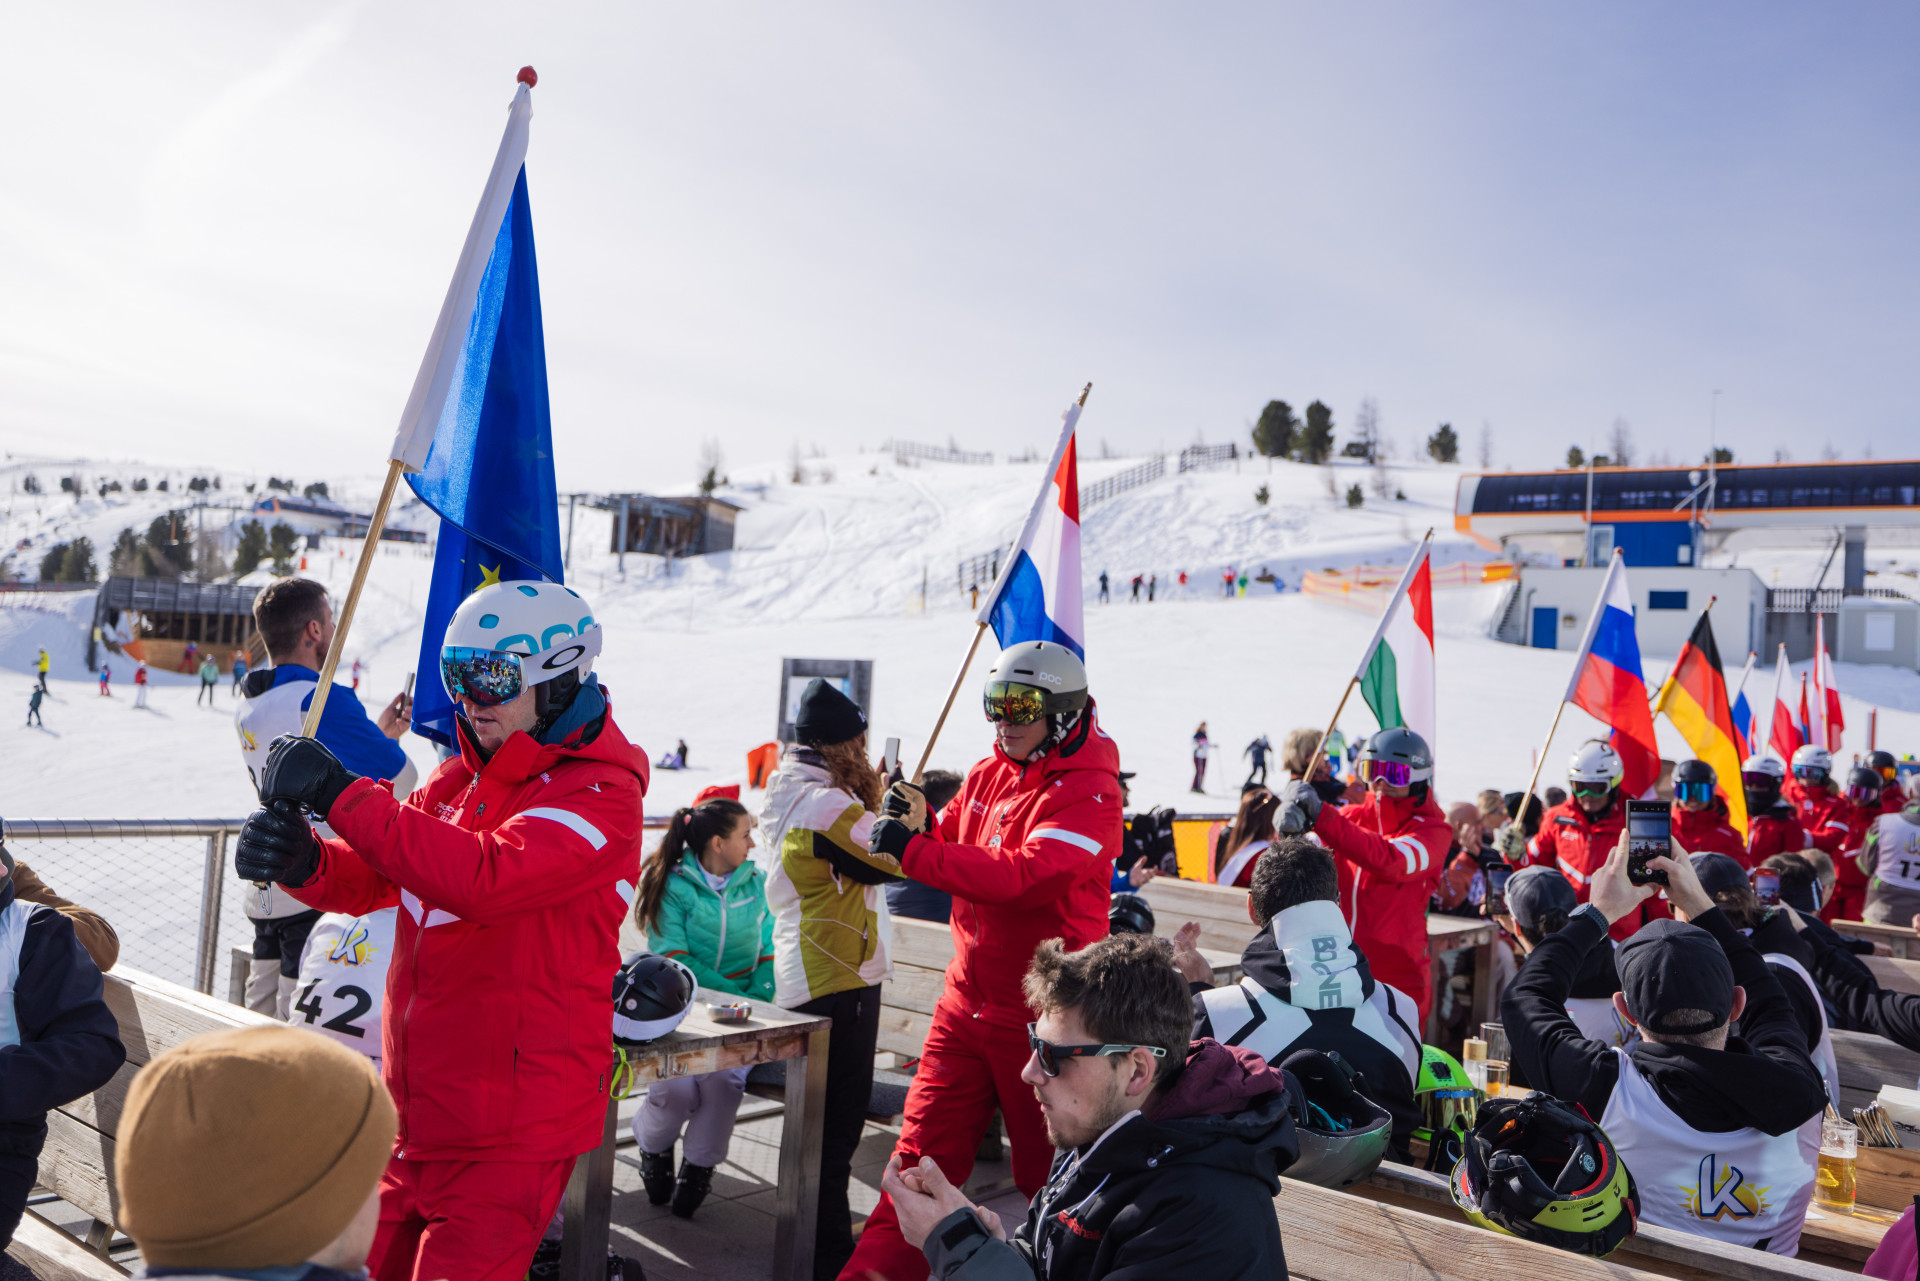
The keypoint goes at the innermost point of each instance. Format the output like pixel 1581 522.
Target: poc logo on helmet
pixel 1047 677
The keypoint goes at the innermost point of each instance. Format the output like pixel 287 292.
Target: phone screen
pixel 1649 833
pixel 1766 888
pixel 890 756
pixel 1497 878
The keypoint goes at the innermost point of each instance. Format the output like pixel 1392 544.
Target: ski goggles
pixel 1587 787
pixel 1755 781
pixel 1392 773
pixel 1810 773
pixel 1862 793
pixel 1051 1054
pixel 491 677
pixel 1012 703
pixel 1693 793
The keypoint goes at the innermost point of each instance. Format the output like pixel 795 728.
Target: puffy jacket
pixel 1578 843
pixel 1183 1190
pixel 1891 857
pixel 1777 831
pixel 1707 831
pixel 1027 851
pixel 830 919
pixel 1850 889
pixel 1390 856
pixel 725 939
pixel 515 873
pixel 1823 814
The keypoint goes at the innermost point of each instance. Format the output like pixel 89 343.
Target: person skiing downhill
pixel 513 866
pixel 1257 751
pixel 42 665
pixel 33 707
pixel 140 679
pixel 1202 749
pixel 1027 849
pixel 106 679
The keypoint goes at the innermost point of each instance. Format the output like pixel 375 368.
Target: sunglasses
pixel 1014 704
pixel 1051 1054
pixel 1392 773
pixel 1695 793
pixel 1590 789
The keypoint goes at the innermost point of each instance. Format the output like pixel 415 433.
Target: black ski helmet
pixel 651 995
pixel 1695 771
pixel 1864 784
pixel 1883 764
pixel 1129 914
pixel 1537 1169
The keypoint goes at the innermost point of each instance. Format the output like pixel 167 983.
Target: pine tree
pixel 1274 434
pixel 283 542
pixel 251 549
pixel 78 567
pixel 53 562
pixel 126 554
pixel 318 489
pixel 1443 446
pixel 1354 496
pixel 1316 441
pixel 1576 457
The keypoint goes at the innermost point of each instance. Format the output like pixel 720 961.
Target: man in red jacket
pixel 1027 851
pixel 514 865
pixel 1391 848
pixel 1577 834
pixel 1858 809
pixel 1700 821
pixel 1773 826
pixel 1810 790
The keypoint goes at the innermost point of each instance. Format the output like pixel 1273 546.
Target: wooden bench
pixel 1901 938
pixel 1868 1062
pixel 77 1163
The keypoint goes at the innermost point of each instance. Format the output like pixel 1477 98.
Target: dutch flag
pixel 1037 596
pixel 1608 686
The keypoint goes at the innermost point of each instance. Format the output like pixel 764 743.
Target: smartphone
pixel 1766 888
pixel 1497 878
pixel 1649 836
pixel 890 757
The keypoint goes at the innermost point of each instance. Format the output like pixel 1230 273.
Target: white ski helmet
pixel 1595 761
pixel 551 627
pixel 1811 756
pixel 1768 765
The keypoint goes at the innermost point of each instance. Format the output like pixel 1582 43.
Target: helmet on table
pixel 651 995
pixel 1812 763
pixel 508 636
pixel 1448 1102
pixel 1343 1134
pixel 1032 679
pixel 1595 761
pixel 1694 780
pixel 1129 914
pixel 1537 1169
pixel 1761 777
pixel 1399 756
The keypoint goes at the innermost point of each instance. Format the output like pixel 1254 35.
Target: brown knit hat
pixel 249 1147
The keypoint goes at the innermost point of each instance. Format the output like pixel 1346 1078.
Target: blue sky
pixel 226 231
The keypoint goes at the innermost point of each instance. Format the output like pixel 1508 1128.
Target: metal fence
pixel 1194 457
pixel 1826 600
pixel 902 450
pixel 1120 482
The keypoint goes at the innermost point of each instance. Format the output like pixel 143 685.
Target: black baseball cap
pixel 1532 892
pixel 1718 872
pixel 1667 967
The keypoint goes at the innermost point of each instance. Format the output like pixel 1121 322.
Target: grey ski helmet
pixel 1402 745
pixel 1045 665
pixel 1343 1134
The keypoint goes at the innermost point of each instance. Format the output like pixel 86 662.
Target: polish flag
pixel 1783 733
pixel 1826 697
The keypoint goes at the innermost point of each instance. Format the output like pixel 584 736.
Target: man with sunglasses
pixel 513 867
pixel 1391 848
pixel 1576 835
pixel 1027 850
pixel 1700 820
pixel 1168 1152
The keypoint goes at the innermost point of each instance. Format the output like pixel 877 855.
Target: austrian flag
pixel 1396 676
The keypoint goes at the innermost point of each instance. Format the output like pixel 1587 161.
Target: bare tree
pixel 711 461
pixel 1828 453
pixel 795 472
pixel 1366 428
pixel 1620 444
pixel 1486 445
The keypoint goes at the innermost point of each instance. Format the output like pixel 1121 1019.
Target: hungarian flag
pixel 1037 596
pixel 1694 698
pixel 1396 672
pixel 1783 733
pixel 1607 684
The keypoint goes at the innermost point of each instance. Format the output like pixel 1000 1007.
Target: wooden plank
pixel 1868 1062
pixel 1894 974
pixel 1846 1236
pixel 52 1255
pixel 1888 1177
pixel 76 1163
pixel 1901 938
pixel 927 944
pixel 101 1109
pixel 913 987
pixel 903 1031
pixel 155 1015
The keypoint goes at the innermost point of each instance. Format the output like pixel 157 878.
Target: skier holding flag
pixel 1027 850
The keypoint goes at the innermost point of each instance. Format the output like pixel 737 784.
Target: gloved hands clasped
pixel 903 815
pixel 303 771
pixel 1512 843
pixel 1299 809
pixel 277 844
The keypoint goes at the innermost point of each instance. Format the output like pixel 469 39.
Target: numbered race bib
pixel 1898 861
pixel 343 978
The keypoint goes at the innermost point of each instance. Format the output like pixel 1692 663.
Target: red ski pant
pixel 968 1068
pixel 464 1220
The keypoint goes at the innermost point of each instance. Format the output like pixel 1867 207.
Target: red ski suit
pixel 1390 852
pixel 514 875
pixel 1823 814
pixel 1707 831
pixel 1027 851
pixel 1577 843
pixel 1849 897
pixel 1777 831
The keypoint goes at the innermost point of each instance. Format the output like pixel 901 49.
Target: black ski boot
pixel 656 1175
pixel 695 1182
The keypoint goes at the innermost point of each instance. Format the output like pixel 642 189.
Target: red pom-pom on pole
pixel 528 77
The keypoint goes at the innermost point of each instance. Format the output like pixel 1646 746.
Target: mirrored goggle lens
pixel 1813 772
pixel 1392 773
pixel 1582 788
pixel 1889 772
pixel 1697 793
pixel 1015 704
pixel 489 677
pixel 1758 782
pixel 1861 793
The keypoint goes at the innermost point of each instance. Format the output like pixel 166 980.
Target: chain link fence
pixel 165 885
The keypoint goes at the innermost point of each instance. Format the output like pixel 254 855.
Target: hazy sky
pixel 225 230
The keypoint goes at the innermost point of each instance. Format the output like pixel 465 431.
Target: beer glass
pixel 1834 1182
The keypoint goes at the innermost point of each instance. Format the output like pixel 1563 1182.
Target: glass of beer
pixel 1496 1078
pixel 1834 1182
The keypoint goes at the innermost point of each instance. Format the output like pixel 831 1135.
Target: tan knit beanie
pixel 249 1148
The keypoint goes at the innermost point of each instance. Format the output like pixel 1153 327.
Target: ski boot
pixel 694 1184
pixel 656 1175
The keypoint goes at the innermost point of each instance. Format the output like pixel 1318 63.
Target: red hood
pixel 1218 1080
pixel 522 757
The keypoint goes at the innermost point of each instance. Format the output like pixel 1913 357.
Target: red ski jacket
pixel 1576 843
pixel 514 875
pixel 1707 831
pixel 1390 855
pixel 1778 831
pixel 1027 851
pixel 1823 814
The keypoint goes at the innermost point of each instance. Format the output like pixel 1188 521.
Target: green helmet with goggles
pixel 1032 679
pixel 1448 1103
pixel 508 637
pixel 1537 1169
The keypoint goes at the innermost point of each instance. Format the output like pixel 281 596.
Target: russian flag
pixel 1607 683
pixel 1037 596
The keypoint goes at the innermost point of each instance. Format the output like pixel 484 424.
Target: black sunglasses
pixel 1051 1054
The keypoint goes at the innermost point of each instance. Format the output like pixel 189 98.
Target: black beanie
pixel 827 716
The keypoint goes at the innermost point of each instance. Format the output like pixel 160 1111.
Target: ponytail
pixel 690 828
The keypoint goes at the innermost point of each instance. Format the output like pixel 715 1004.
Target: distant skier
pixel 190 660
pixel 357 668
pixel 1153 581
pixel 1257 750
pixel 1183 582
pixel 33 707
pixel 209 677
pixel 239 670
pixel 973 593
pixel 1137 580
pixel 1105 599
pixel 106 678
pixel 1201 749
pixel 42 664
pixel 1243 584
pixel 140 684
pixel 1226 584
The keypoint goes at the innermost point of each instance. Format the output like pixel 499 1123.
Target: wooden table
pixel 700 1045
pixel 1449 934
pixel 1901 938
pixel 1844 1240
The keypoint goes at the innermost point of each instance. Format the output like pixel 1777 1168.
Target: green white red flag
pixel 1396 673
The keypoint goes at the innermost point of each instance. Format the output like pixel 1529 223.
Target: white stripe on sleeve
pixel 568 819
pixel 1573 873
pixel 1415 852
pixel 1086 843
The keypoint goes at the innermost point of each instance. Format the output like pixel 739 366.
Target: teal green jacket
pixel 726 940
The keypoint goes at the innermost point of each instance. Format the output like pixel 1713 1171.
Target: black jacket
pixel 1776 934
pixel 1763 1080
pixel 69 1040
pixel 1850 987
pixel 1179 1196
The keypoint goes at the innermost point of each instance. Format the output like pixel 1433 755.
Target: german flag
pixel 1695 700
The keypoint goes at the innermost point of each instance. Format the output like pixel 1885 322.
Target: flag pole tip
pixel 528 77
pixel 1085 392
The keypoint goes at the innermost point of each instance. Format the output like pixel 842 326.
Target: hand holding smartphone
pixel 1497 878
pixel 1649 836
pixel 890 760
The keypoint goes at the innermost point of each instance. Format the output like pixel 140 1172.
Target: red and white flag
pixel 1827 718
pixel 1783 733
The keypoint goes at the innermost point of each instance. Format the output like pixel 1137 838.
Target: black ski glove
pixel 890 836
pixel 1299 809
pixel 276 844
pixel 907 802
pixel 302 770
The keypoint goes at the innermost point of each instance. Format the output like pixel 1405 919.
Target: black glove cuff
pixel 330 792
pixel 890 836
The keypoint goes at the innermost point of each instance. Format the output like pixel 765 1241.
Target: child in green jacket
pixel 703 903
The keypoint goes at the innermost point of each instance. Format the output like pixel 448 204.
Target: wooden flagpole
pixel 345 621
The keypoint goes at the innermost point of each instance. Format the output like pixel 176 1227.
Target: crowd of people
pixel 456 940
